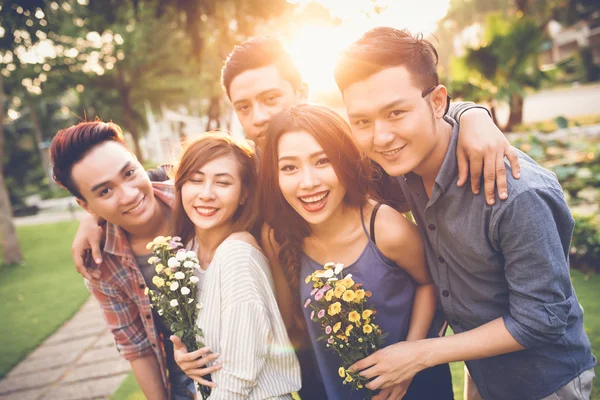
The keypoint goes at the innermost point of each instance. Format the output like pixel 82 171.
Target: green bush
pixel 585 246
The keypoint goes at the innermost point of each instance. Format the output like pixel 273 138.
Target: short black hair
pixel 258 52
pixel 71 144
pixel 384 47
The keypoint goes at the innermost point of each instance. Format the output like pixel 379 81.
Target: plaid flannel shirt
pixel 120 292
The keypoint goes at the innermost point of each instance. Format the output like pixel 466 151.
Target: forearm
pixel 423 311
pixel 148 376
pixel 489 340
pixel 457 109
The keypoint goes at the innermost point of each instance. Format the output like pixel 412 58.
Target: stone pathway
pixel 78 362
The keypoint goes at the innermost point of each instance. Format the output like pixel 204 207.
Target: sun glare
pixel 316 45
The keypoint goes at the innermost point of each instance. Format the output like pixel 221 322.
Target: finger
pixel 382 395
pixel 96 252
pixel 200 372
pixel 475 166
pixel 463 167
pixel 398 392
pixel 501 177
pixel 371 372
pixel 81 269
pixel 204 382
pixel 489 181
pixel 178 344
pixel 202 361
pixel 513 159
pixel 379 383
pixel 364 363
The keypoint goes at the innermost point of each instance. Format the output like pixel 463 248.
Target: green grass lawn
pixel 38 297
pixel 586 286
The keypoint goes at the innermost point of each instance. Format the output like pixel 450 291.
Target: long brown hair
pixel 198 153
pixel 351 167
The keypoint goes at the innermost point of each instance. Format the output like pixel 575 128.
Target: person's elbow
pixel 539 324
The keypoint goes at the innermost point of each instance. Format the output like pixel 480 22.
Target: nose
pixel 206 192
pixel 129 194
pixel 309 179
pixel 260 115
pixel 383 136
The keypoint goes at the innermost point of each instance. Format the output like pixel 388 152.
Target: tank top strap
pixel 362 221
pixel 372 223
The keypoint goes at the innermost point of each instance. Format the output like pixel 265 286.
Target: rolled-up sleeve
pixel 534 234
pixel 124 321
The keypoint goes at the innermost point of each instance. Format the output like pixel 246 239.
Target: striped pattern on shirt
pixel 240 320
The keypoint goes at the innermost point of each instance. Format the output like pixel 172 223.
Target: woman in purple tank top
pixel 317 197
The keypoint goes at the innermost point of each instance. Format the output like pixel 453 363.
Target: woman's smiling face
pixel 307 179
pixel 213 194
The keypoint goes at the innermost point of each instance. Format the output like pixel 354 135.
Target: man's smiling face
pixel 259 94
pixel 114 185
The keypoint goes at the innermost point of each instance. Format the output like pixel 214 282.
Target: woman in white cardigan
pixel 240 320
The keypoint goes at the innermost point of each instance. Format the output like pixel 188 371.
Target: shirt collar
pixel 116 242
pixel 449 169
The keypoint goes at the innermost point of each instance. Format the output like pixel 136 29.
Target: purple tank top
pixel 393 292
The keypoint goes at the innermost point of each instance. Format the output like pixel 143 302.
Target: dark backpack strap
pixel 372 224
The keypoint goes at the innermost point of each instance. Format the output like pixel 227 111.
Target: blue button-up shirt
pixel 509 261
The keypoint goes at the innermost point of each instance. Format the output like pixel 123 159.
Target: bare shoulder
pixel 393 230
pixel 245 237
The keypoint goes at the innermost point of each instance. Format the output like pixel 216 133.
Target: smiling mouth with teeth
pixel 206 211
pixel 392 152
pixel 137 207
pixel 314 198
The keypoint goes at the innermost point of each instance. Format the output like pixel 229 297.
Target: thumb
pixel 178 344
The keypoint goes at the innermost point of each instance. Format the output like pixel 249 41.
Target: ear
pixel 83 204
pixel 302 92
pixel 243 197
pixel 439 101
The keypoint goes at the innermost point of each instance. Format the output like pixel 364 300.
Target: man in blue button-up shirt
pixel 501 269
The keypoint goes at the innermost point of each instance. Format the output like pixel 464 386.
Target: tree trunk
pixel 214 114
pixel 516 112
pixel 39 140
pixel 128 115
pixel 10 242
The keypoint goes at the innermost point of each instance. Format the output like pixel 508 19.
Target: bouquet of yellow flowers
pixel 175 297
pixel 339 306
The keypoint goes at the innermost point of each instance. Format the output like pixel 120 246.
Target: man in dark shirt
pixel 501 269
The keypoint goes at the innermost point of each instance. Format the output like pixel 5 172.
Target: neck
pixel 335 224
pixel 209 239
pixel 159 224
pixel 431 165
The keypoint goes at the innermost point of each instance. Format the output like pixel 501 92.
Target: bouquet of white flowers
pixel 175 299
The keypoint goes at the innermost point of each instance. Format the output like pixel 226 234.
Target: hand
pixel 392 365
pixel 395 392
pixel 87 238
pixel 191 363
pixel 482 146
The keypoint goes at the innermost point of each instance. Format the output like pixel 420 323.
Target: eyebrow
pixel 313 155
pixel 263 93
pixel 99 185
pixel 391 104
pixel 222 174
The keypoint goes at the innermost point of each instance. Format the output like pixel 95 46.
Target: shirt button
pixel 441 259
pixel 445 293
pixel 431 227
pixel 148 316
